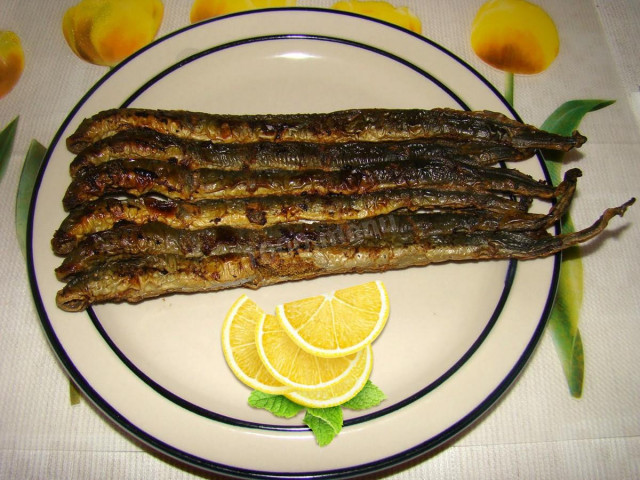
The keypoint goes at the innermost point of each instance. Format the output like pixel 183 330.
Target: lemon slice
pixel 291 365
pixel 239 348
pixel 337 324
pixel 339 392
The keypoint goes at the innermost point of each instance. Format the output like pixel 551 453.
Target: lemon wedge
pixel 294 367
pixel 339 323
pixel 239 348
pixel 340 392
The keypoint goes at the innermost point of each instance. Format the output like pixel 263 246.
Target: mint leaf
pixel 325 423
pixel 368 397
pixel 279 405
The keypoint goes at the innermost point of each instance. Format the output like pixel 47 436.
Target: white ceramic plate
pixel 458 334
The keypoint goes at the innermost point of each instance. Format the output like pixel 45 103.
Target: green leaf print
pixel 563 321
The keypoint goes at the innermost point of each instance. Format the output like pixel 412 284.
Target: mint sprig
pixel 368 397
pixel 325 423
pixel 279 405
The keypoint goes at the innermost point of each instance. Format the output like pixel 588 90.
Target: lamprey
pixel 264 155
pixel 164 202
pixel 142 176
pixel 150 276
pixel 155 238
pixel 340 126
pixel 104 213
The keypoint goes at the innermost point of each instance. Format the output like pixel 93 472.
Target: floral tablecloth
pixel 538 430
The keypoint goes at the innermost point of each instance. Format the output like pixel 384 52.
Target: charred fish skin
pixel 146 277
pixel 144 176
pixel 339 126
pixel 106 212
pixel 155 238
pixel 255 200
pixel 196 154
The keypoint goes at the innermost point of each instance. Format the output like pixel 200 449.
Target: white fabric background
pixel 536 431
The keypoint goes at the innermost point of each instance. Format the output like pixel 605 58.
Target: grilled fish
pixel 143 176
pixel 150 276
pixel 104 213
pixel 195 154
pixel 341 126
pixel 254 200
pixel 268 211
pixel 155 238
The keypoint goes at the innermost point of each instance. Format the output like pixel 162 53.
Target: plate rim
pixel 159 446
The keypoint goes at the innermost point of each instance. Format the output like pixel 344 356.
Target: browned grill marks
pixel 166 202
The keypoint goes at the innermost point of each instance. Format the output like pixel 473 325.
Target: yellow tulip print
pixel 400 16
pixel 105 32
pixel 515 36
pixel 204 9
pixel 11 61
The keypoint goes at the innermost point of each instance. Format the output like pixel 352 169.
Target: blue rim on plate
pixel 194 460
